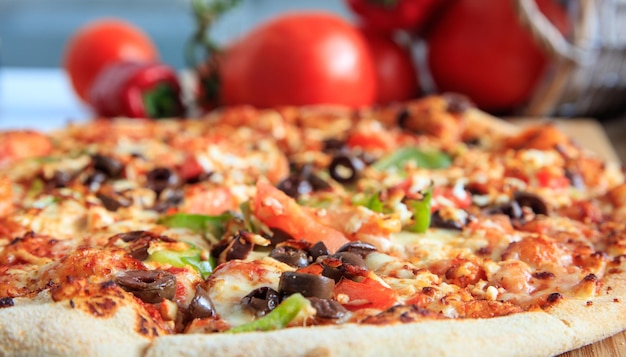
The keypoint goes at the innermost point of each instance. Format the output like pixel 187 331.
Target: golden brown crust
pixel 569 324
pixel 41 327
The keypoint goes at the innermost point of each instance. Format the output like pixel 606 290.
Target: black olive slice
pixel 201 305
pixel 345 168
pixel 351 258
pixel 532 201
pixel 357 247
pixel 511 209
pixel 168 198
pixel 61 178
pixel 131 236
pixel 343 264
pixel 261 301
pixel 402 118
pixel 318 250
pixel 436 221
pixel 278 236
pixel 6 302
pixel 111 167
pixel 333 145
pixel 112 203
pixel 95 180
pixel 327 309
pixel 290 255
pixel 235 246
pixel 302 181
pixel 151 286
pixel 575 178
pixel 295 185
pixel 309 285
pixel 160 178
pixel 239 248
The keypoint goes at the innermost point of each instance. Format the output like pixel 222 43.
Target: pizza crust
pixel 568 325
pixel 42 327
pixel 515 335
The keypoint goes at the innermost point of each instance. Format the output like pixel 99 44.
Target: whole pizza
pixel 420 228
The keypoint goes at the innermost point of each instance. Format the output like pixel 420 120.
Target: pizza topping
pixel 367 293
pixel 290 255
pixel 277 210
pixel 413 157
pixel 318 250
pixel 236 246
pixel 280 317
pixel 151 286
pixel 261 301
pixel 343 264
pixel 532 201
pixel 301 182
pixel 161 178
pixel 309 285
pixel 201 305
pixel 95 180
pixel 328 308
pixel 181 255
pixel 345 168
pixel 109 166
pixel 358 247
pixel 113 203
pixel 421 212
pixel 6 302
pixel 439 219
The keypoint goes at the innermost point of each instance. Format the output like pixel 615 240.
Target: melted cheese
pixel 236 279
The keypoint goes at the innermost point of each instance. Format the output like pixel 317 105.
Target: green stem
pixel 161 102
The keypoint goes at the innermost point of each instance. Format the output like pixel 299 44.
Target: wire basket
pixel 588 75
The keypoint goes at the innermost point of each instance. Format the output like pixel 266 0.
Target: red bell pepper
pixel 137 90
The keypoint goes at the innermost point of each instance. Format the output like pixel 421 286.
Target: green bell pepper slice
pixel 180 259
pixel 421 212
pixel 278 318
pixel 431 159
pixel 198 223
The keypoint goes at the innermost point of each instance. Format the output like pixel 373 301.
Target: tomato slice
pixel 461 200
pixel 277 210
pixel 209 201
pixel 371 141
pixel 547 178
pixel 368 293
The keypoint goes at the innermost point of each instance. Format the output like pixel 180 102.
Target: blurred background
pixel 34 35
pixel 34 90
pixel 34 32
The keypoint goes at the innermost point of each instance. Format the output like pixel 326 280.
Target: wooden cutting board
pixel 591 135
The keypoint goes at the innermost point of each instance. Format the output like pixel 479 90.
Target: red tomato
pixel 101 43
pixel 371 140
pixel 396 76
pixel 299 59
pixel 547 178
pixel 387 16
pixel 480 48
pixel 449 195
pixel 366 294
pixel 277 210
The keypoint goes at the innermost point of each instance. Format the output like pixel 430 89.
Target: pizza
pixel 419 228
